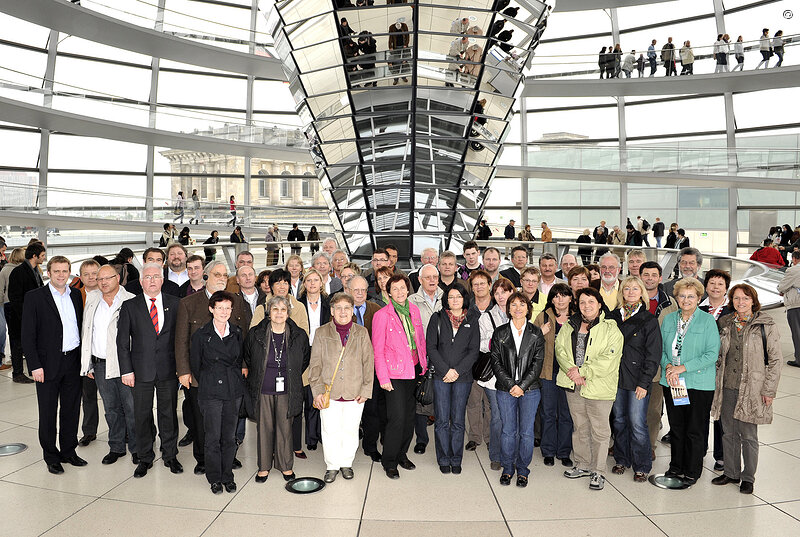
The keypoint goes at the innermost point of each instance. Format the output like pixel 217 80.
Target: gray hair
pixel 428 265
pixel 340 251
pixel 612 255
pixel 330 239
pixel 318 255
pixel 342 297
pixel 275 300
pixel 691 251
pixel 212 265
pixel 357 277
pixel 146 266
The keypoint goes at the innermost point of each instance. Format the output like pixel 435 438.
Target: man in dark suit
pixel 519 258
pixel 51 337
pixel 154 255
pixel 22 279
pixel 373 419
pixel 193 313
pixel 146 352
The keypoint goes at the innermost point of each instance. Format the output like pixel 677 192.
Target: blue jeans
pixel 658 242
pixel 556 421
pixel 2 331
pixel 517 415
pixel 118 405
pixel 495 427
pixel 631 436
pixel 450 408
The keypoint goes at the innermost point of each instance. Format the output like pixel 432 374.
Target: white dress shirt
pixel 102 318
pixel 178 277
pixel 313 319
pixel 159 309
pixel 251 300
pixel 70 335
pixel 294 288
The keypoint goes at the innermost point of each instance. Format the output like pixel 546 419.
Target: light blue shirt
pixel 70 336
pixel 651 52
pixel 359 312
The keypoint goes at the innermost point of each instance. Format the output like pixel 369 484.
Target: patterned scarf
pixel 456 321
pixel 740 323
pixel 629 310
pixel 405 318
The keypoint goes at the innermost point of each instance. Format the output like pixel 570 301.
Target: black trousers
pixel 198 427
pixel 89 404
pixel 688 427
pixel 64 389
pixel 186 411
pixel 400 410
pixel 219 423
pixel 374 418
pixel 313 423
pixel 166 392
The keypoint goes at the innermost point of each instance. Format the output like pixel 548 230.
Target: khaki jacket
pixel 757 380
pixel 356 370
pixel 547 235
pixel 547 317
pixel 789 287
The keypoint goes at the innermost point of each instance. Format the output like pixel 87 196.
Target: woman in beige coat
pixel 341 348
pixel 473 54
pixel 746 383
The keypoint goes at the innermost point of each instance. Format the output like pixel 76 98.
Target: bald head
pixel 429 279
pixel 108 281
pixel 358 288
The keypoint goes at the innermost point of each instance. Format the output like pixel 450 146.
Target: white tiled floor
pixel 106 500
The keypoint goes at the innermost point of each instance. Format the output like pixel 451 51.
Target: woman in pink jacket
pixel 398 339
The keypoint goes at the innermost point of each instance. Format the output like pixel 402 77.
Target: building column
pixel 151 123
pixel 730 137
pixel 623 137
pixel 523 127
pixel 44 143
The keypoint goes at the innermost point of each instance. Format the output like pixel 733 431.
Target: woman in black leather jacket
pixel 517 354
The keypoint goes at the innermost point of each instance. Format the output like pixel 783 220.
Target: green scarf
pixel 405 318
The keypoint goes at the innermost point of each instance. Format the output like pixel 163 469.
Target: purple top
pixel 273 369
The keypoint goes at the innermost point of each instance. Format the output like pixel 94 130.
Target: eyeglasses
pixel 357 290
pixel 687 297
pixel 152 277
pixel 222 308
pixel 107 278
pixel 219 274
pixel 529 280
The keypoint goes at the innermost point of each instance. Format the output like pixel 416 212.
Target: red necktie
pixel 154 314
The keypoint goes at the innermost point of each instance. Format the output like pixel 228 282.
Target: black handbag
pixel 482 368
pixel 423 392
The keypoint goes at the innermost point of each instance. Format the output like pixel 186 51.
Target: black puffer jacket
pixel 507 364
pixel 446 352
pixel 255 359
pixel 641 352
pixel 217 363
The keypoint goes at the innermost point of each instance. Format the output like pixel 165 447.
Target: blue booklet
pixel 680 395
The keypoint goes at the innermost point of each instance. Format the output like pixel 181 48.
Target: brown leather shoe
pixel 618 469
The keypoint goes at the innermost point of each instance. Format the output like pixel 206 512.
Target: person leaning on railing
pixel 747 376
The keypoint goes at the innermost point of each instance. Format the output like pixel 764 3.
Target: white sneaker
pixel 597 482
pixel 576 472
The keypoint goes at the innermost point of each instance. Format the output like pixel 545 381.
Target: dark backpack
pixel 645 225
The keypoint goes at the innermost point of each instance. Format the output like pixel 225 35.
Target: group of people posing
pixel 586 358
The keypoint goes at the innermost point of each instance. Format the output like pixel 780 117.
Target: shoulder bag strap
pixel 764 342
pixel 336 369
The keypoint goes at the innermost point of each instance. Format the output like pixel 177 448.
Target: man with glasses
pixel 429 257
pixel 99 361
pixel 373 419
pixel 146 351
pixel 193 313
pixel 609 279
pixel 154 255
pixel 380 258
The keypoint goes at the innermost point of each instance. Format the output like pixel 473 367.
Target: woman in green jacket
pixel 689 351
pixel 588 351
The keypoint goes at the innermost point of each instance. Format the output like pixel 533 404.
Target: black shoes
pixel 549 461
pixel 724 480
pixel 374 455
pixel 74 460
pixel 112 457
pixel 456 469
pixel 216 488
pixel 471 445
pixel 174 466
pixel 719 466
pixel 537 442
pixel 55 468
pixel 566 461
pixel 746 487
pixel 406 464
pixel 135 458
pixel 505 479
pixel 141 470
pixel 522 481
pixel 300 454
pixel 186 440
pixel 793 363
pixel 312 447
pixel 445 469
pixel 288 477
pixel 419 448
pixel 236 464
pixel 22 379
pixel 666 439
pixel 230 486
pixel 261 478
pixel 87 439
pixel 199 469
pixel 392 473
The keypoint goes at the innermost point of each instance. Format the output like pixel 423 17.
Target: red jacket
pixel 768 256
